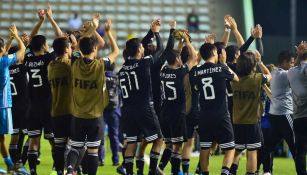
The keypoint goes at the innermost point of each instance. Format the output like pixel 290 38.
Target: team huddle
pixel 167 95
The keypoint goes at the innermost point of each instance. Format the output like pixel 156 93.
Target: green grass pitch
pixel 282 166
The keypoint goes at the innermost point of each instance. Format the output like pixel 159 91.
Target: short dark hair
pixel 171 56
pixel 284 55
pixel 219 47
pixel 231 53
pixel 1 44
pixel 245 64
pixel 184 54
pixel 13 49
pixel 132 46
pixel 206 50
pixel 87 45
pixel 59 45
pixel 125 54
pixel 37 43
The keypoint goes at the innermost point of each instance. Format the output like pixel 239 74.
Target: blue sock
pixel 8 161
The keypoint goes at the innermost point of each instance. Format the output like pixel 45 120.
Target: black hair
pixel 87 45
pixel 171 56
pixel 59 45
pixel 184 54
pixel 13 49
pixel 1 45
pixel 132 46
pixel 37 43
pixel 284 55
pixel 245 64
pixel 125 54
pixel 206 50
pixel 231 52
pixel 219 47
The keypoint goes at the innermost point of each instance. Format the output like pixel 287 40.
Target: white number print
pixel 208 88
pixel 124 87
pixel 36 76
pixel 169 84
pixel 13 87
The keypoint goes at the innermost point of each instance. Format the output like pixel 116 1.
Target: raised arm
pixel 100 41
pixel 300 49
pixel 8 44
pixel 57 30
pixel 115 50
pixel 146 40
pixel 35 30
pixel 262 67
pixel 170 42
pixel 192 54
pixel 233 26
pixel 155 28
pixel 267 90
pixel 91 26
pixel 226 35
pixel 257 34
pixel 21 47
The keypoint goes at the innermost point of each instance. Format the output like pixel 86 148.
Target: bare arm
pixel 226 35
pixel 8 44
pixel 262 67
pixel 35 30
pixel 100 40
pixel 57 30
pixel 192 54
pixel 21 47
pixel 267 90
pixel 234 28
pixel 115 50
pixel 91 26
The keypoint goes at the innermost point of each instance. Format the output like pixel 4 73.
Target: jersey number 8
pixel 208 88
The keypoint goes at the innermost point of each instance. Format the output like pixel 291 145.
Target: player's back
pixel 36 66
pixel 172 83
pixel 59 76
pixel 210 80
pixel 135 82
pixel 19 84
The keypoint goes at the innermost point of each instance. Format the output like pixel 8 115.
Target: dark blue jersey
pixel 19 84
pixel 210 80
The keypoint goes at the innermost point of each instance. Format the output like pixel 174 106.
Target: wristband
pixel 227 29
pixel 259 62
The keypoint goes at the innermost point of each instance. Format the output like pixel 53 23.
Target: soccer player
pixel 37 59
pixel 173 112
pixel 247 107
pixel 137 110
pixel 281 108
pixel 214 123
pixel 297 77
pixel 89 99
pixel 59 76
pixel 6 97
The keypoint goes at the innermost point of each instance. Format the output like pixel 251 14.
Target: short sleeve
pixel 107 63
pixel 226 73
pixel 9 59
pixel 147 60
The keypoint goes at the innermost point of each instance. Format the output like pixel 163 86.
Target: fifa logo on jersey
pixel 57 82
pixel 85 84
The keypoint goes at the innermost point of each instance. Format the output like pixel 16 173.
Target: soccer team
pixel 167 96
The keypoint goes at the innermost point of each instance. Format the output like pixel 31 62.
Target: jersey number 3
pixel 124 87
pixel 208 88
pixel 38 77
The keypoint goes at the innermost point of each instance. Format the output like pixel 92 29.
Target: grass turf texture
pixel 282 166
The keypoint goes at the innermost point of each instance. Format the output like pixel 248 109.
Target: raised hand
pixel 232 22
pixel 301 48
pixel 173 24
pixel 41 14
pixel 226 22
pixel 257 31
pixel 156 25
pixel 25 38
pixel 96 18
pixel 48 11
pixel 210 38
pixel 108 25
pixel 13 31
